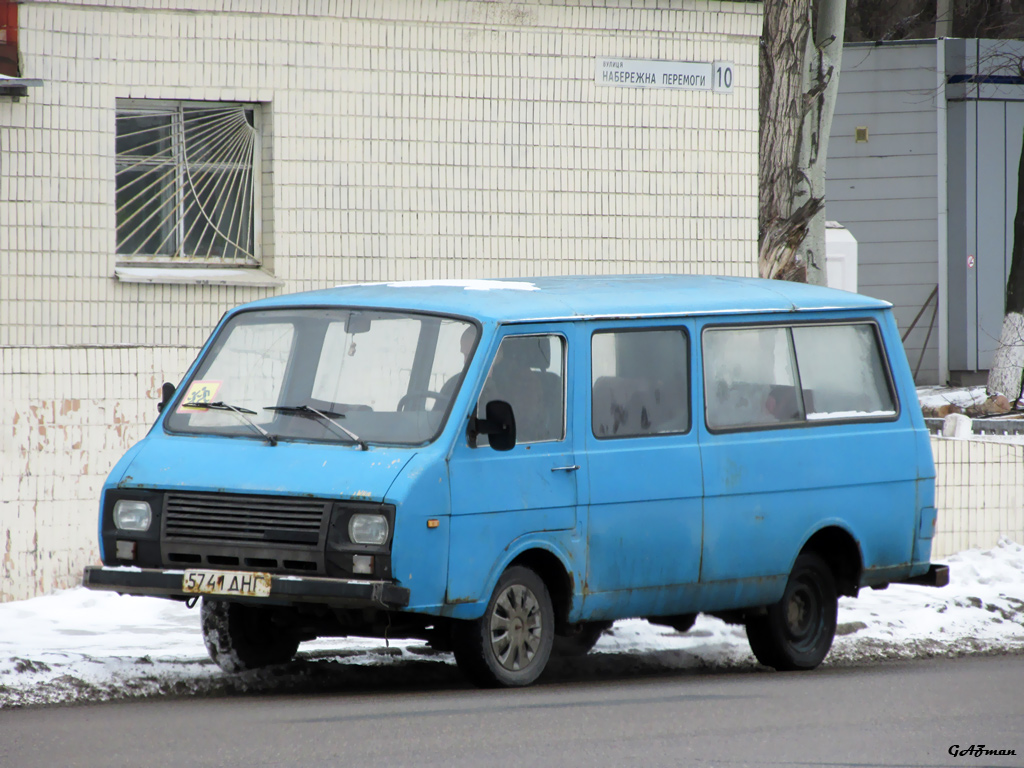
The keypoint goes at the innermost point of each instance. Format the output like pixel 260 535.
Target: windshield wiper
pixel 222 406
pixel 328 416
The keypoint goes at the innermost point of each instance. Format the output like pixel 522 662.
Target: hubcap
pixel 516 627
pixel 798 614
pixel 803 615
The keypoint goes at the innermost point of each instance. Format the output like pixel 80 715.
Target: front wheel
pixel 240 637
pixel 511 643
pixel 797 632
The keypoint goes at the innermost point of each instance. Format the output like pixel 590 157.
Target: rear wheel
pixel 240 637
pixel 797 632
pixel 511 643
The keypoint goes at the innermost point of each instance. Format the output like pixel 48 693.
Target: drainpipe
pixel 942 218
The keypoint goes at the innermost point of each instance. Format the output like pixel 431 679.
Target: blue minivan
pixel 504 467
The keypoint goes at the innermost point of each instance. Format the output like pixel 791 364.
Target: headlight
pixel 368 529
pixel 132 515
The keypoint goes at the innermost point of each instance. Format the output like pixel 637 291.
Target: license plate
pixel 244 583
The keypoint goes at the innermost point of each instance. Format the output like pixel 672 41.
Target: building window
pixel 187 182
pixel 8 39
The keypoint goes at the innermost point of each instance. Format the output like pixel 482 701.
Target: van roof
pixel 550 298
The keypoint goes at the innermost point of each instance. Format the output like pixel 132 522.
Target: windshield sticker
pixel 199 392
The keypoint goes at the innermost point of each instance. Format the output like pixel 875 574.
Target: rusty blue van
pixel 504 467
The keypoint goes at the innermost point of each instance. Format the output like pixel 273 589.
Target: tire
pixel 796 633
pixel 581 640
pixel 240 637
pixel 511 643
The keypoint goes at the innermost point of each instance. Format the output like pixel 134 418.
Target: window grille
pixel 187 181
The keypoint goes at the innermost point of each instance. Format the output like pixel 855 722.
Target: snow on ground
pixel 78 645
pixel 936 397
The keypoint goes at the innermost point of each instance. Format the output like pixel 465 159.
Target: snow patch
pixel 936 397
pixel 849 415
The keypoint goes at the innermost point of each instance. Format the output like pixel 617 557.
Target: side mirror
pixel 166 393
pixel 499 426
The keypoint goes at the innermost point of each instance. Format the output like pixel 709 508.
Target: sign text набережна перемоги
pixel 683 75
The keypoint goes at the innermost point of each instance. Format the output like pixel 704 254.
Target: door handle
pixel 570 468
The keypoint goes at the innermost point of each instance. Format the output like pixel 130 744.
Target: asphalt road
pixel 889 714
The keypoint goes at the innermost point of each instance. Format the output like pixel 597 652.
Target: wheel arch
pixel 546 558
pixel 556 578
pixel 841 551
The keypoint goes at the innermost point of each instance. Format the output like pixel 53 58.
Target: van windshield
pixel 328 375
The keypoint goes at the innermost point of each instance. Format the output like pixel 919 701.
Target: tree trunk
pixel 799 76
pixel 1007 373
pixel 1015 282
pixel 821 76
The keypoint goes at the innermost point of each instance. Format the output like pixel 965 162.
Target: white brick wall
pixel 66 416
pixel 979 494
pixel 404 139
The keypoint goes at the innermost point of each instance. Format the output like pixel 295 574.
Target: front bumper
pixel 346 593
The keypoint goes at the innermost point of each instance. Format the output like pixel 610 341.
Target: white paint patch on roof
pixel 468 285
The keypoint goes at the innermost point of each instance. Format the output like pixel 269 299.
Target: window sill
pixel 17 86
pixel 257 278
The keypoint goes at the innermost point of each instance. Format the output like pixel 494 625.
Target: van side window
pixel 750 377
pixel 772 375
pixel 640 383
pixel 529 373
pixel 842 371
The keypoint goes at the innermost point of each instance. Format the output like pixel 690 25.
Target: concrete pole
pixel 943 18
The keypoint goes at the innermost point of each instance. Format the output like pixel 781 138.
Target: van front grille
pixel 257 520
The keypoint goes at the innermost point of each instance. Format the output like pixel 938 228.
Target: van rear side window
pixel 782 375
pixel 842 371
